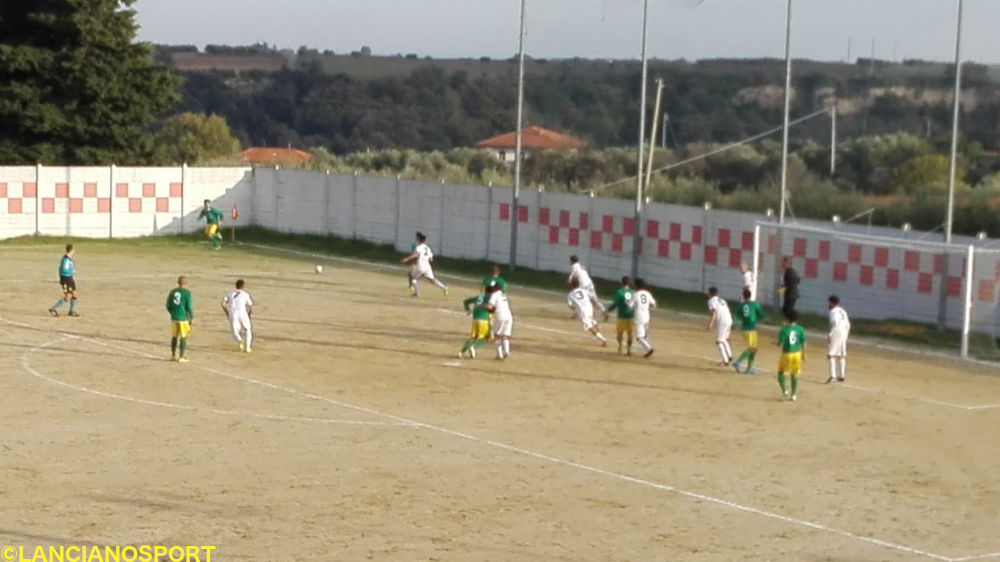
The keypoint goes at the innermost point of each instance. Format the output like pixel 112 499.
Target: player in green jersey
pixel 748 313
pixel 624 306
pixel 181 317
pixel 213 218
pixel 480 323
pixel 493 278
pixel 792 340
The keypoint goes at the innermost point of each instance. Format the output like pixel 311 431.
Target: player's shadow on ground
pixel 606 382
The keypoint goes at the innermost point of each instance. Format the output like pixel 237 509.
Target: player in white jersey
pixel 643 302
pixel 585 283
pixel 836 341
pixel 582 304
pixel 424 256
pixel 503 320
pixel 238 307
pixel 748 280
pixel 722 320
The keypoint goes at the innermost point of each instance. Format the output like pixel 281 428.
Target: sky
pixel 822 29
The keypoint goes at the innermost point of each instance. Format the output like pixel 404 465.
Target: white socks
pixel 506 348
pixel 438 284
pixel 725 351
pixel 838 368
pixel 600 337
pixel 644 343
pixel 503 348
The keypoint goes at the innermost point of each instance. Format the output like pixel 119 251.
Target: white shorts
pixel 641 329
pixel 836 346
pixel 426 272
pixel 502 326
pixel 723 331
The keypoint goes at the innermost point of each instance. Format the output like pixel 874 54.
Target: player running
pixel 644 301
pixel 480 333
pixel 584 282
pixel 748 313
pixel 493 277
pixel 67 267
pixel 424 256
pixel 503 321
pixel 580 301
pixel 722 320
pixel 181 318
pixel 836 342
pixel 623 305
pixel 792 340
pixel 238 306
pixel 213 218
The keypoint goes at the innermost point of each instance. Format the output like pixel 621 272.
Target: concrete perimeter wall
pixel 686 248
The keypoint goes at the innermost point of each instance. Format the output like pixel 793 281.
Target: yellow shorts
pixel 624 325
pixel 790 363
pixel 751 339
pixel 480 329
pixel 180 330
pixel 211 229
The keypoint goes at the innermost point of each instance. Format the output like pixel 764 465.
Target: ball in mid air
pixel 319 269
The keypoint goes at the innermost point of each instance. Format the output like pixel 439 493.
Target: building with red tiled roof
pixel 532 138
pixel 258 155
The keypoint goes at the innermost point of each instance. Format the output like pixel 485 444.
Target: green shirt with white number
pixel 495 280
pixel 749 313
pixel 624 303
pixel 477 303
pixel 179 305
pixel 792 338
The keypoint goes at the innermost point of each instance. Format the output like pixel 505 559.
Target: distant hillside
pixel 347 102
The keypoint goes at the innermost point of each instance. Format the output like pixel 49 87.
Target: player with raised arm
pixel 67 268
pixel 792 340
pixel 238 306
pixel 476 306
pixel 747 277
pixel 584 282
pixel 624 306
pixel 720 317
pixel 503 321
pixel 748 313
pixel 581 303
pixel 181 311
pixel 644 301
pixel 836 342
pixel 213 218
pixel 424 256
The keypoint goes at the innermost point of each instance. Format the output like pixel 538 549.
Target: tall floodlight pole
pixel 788 102
pixel 642 137
pixel 515 210
pixel 954 127
pixel 833 139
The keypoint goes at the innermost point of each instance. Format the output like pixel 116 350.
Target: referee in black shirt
pixel 789 287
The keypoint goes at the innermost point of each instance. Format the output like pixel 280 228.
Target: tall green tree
pixel 75 87
pixel 195 138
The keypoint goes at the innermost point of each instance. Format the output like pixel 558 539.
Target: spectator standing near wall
pixel 789 287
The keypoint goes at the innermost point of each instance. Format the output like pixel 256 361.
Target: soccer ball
pixel 319 269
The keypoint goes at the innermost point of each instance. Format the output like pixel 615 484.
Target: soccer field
pixel 353 432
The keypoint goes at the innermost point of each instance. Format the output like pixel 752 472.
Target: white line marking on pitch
pixel 26 365
pixel 402 421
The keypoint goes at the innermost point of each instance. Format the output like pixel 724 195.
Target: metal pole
pixel 954 127
pixel 664 133
pixel 642 137
pixel 652 135
pixel 756 260
pixel 967 310
pixel 515 210
pixel 833 139
pixel 788 98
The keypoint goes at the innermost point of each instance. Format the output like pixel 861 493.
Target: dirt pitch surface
pixel 353 431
